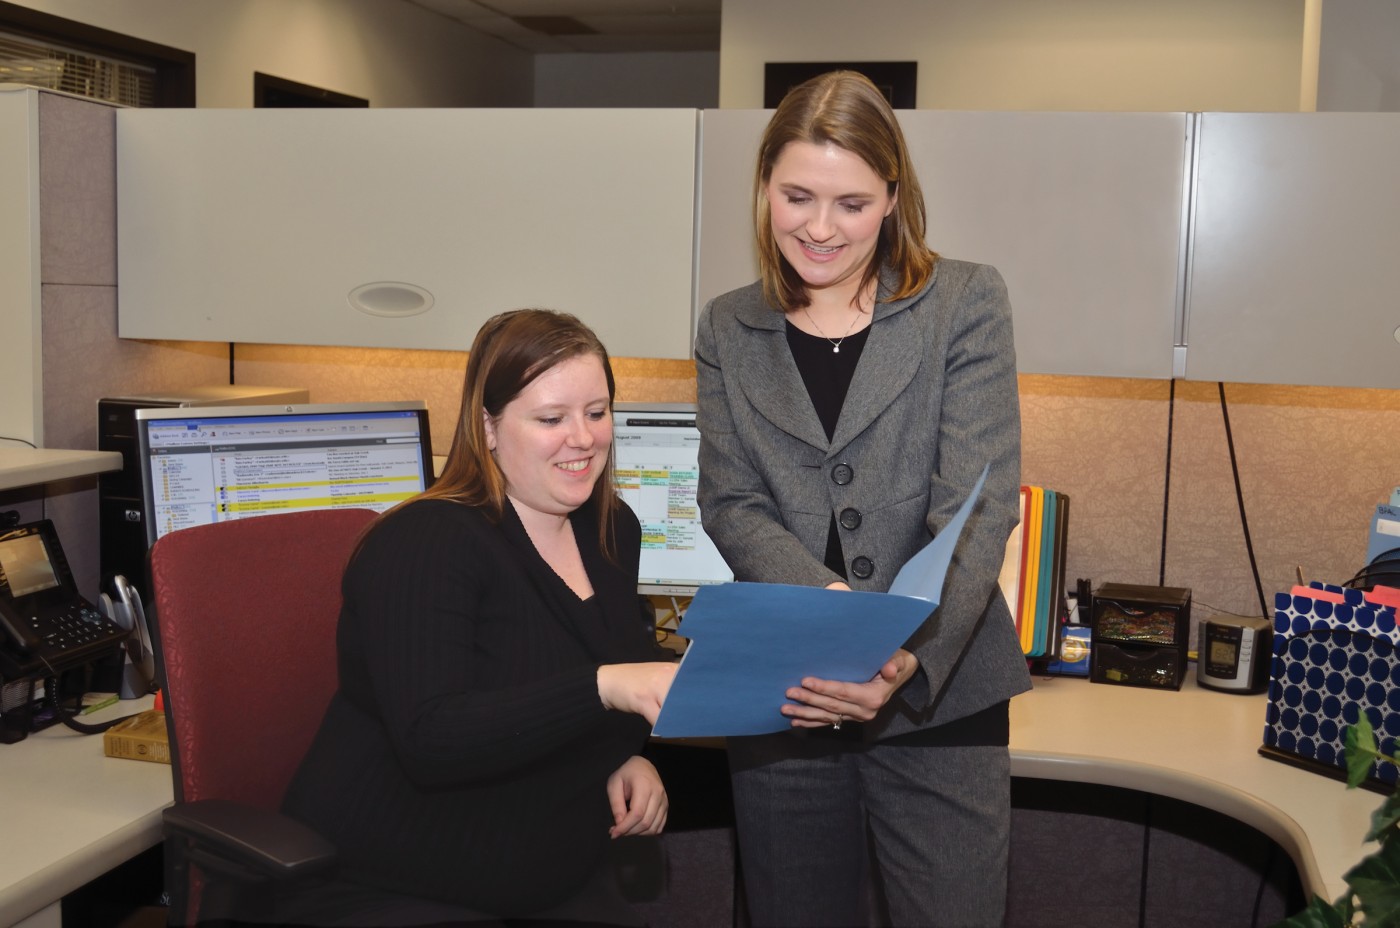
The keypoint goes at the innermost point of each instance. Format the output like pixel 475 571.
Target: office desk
pixel 1199 746
pixel 71 814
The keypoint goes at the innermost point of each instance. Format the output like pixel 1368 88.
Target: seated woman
pixel 496 673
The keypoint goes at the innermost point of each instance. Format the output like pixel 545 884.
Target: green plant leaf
pixel 1318 914
pixel 1385 819
pixel 1376 883
pixel 1359 743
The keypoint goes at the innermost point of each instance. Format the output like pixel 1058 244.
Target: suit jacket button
pixel 850 519
pixel 842 474
pixel 862 567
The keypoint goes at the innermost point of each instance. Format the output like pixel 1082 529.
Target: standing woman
pixel 496 675
pixel 848 401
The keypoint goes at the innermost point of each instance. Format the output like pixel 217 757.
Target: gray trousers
pixel 937 819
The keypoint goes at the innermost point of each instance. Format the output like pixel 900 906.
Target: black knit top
pixel 466 753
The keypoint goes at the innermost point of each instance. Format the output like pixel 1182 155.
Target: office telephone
pixel 46 626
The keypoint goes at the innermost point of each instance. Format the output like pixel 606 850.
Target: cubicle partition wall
pixel 1294 277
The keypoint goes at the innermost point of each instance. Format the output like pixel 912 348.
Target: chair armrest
pixel 268 843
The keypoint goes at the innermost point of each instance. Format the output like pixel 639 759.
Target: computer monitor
pixel 218 463
pixel 658 472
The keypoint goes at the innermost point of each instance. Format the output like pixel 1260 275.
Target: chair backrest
pixel 245 617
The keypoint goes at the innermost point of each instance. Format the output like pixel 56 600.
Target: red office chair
pixel 244 617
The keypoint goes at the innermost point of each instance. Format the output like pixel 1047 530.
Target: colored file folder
pixel 1010 578
pixel 1033 575
pixel 751 642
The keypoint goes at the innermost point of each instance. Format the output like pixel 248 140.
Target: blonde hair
pixel 509 352
pixel 845 109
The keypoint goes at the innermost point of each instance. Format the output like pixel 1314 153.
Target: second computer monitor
pixel 658 473
pixel 207 464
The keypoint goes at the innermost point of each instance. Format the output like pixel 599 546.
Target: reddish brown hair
pixel 509 352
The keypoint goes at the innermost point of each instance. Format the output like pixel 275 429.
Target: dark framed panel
pixel 279 92
pixel 174 84
pixel 897 80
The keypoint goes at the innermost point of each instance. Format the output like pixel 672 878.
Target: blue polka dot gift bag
pixel 1331 662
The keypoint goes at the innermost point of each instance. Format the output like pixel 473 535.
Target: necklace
pixel 835 342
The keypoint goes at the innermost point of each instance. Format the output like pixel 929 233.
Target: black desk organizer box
pixel 1331 662
pixel 1139 635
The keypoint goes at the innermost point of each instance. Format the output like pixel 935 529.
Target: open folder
pixel 750 642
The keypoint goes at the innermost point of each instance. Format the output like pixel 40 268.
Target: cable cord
pixel 1167 485
pixel 70 719
pixel 1386 564
pixel 1239 498
pixel 1217 610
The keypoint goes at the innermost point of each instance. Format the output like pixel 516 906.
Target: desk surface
pixel 1200 746
pixel 81 813
pixel 71 813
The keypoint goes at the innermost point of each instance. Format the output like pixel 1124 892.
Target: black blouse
pixel 827 375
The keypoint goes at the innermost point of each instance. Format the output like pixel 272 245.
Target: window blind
pixel 32 62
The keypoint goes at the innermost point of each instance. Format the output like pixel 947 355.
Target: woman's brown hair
pixel 847 110
pixel 509 352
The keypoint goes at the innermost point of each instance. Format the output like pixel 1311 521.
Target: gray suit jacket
pixel 933 399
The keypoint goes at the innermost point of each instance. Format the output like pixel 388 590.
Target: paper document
pixel 750 642
pixel 1385 532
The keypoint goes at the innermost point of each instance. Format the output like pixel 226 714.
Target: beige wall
pixel 1147 55
pixel 1187 55
pixel 389 52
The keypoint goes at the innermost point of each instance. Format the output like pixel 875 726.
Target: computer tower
pixel 121 533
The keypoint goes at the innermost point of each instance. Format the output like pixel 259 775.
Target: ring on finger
pixel 836 725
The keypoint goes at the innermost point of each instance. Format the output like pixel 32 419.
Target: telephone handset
pixel 46 625
pixel 17 632
pixel 139 668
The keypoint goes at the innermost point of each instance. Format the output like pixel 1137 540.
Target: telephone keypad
pixel 72 627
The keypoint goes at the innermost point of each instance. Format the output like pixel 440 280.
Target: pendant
pixel 835 349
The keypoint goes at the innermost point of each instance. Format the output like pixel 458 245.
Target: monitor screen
pixel 658 471
pixel 218 463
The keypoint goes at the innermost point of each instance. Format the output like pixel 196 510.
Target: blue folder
pixel 751 642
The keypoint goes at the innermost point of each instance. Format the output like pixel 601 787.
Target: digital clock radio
pixel 1233 653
